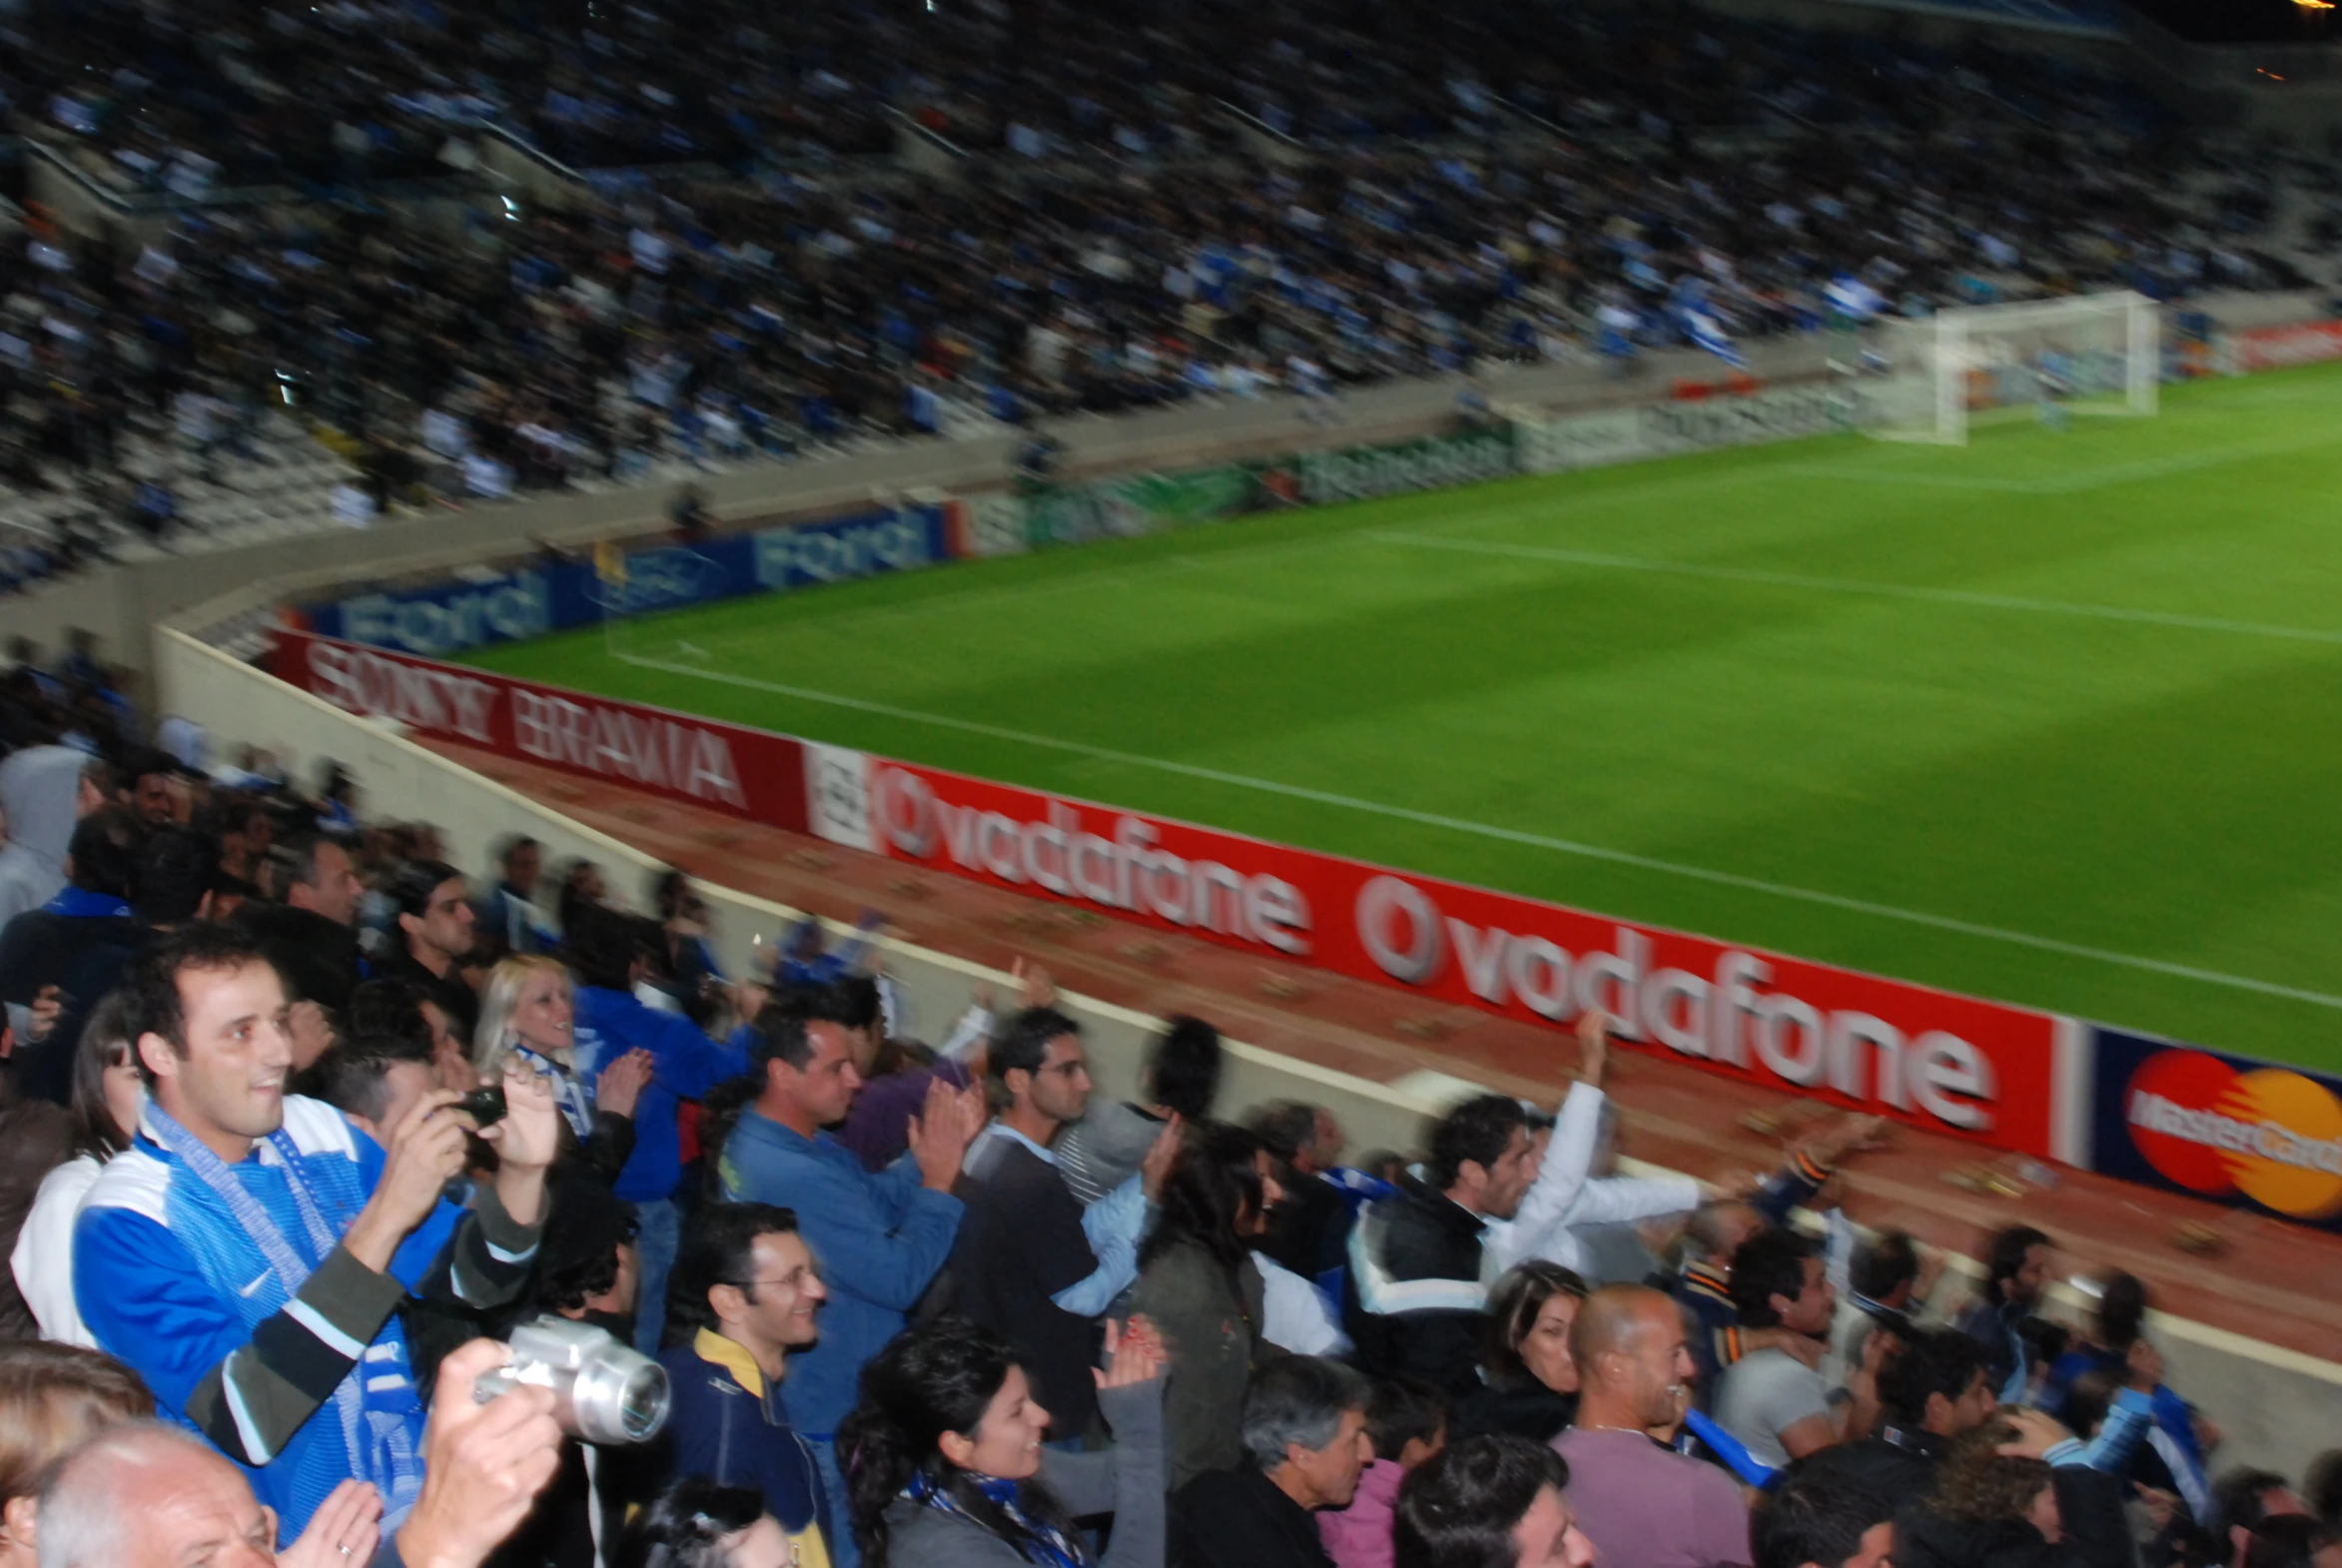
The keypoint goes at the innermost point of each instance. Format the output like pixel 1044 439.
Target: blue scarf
pixel 1043 1545
pixel 81 903
pixel 376 1441
pixel 568 1092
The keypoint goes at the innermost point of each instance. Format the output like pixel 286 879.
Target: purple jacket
pixel 1360 1536
pixel 878 1129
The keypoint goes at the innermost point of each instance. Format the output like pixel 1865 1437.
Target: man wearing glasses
pixel 746 1296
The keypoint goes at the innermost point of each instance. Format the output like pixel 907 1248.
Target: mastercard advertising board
pixel 2224 1127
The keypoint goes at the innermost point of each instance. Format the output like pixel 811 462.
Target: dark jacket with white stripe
pixel 1413 1300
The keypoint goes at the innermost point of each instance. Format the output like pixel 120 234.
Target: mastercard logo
pixel 2271 1135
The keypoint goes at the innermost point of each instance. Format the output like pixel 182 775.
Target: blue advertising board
pixel 2242 1132
pixel 531 602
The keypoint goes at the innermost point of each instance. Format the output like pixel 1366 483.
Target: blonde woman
pixel 529 1009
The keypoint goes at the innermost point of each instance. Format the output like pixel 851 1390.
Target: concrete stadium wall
pixel 2275 1404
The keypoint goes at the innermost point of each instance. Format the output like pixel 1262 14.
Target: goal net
pixel 2088 353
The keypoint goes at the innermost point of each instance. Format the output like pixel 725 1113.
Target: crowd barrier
pixel 2177 1117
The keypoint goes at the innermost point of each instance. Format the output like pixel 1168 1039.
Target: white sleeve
pixel 1293 1315
pixel 43 1259
pixel 1624 1200
pixel 973 1029
pixel 1568 1156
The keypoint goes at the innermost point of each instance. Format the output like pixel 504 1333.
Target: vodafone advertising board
pixel 1950 1063
pixel 749 773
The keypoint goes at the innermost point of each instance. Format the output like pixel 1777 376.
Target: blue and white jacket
pixel 168 1283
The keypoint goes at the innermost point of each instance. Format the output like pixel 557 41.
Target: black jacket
pixel 1897 1464
pixel 1923 1539
pixel 1527 1409
pixel 1238 1519
pixel 1308 1227
pixel 83 957
pixel 319 957
pixel 455 998
pixel 1413 1300
pixel 2095 1533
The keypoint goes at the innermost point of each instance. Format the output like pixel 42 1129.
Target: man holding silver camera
pixel 248 1256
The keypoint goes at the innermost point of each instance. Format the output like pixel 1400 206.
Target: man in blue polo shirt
pixel 879 1240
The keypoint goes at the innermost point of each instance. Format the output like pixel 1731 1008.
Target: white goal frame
pixel 1950 343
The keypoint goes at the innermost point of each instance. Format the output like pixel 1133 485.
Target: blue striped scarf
pixel 376 1435
pixel 1043 1545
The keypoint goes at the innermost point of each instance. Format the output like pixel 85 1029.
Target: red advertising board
pixel 748 773
pixel 1944 1062
pixel 2301 342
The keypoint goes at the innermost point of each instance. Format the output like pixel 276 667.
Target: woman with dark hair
pixel 696 1523
pixel 945 1466
pixel 1198 1286
pixel 1986 1509
pixel 107 1097
pixel 1532 1381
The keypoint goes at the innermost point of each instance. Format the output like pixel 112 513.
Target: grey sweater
pixel 1124 1480
pixel 1104 1149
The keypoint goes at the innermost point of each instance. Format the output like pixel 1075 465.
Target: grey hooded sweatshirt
pixel 38 789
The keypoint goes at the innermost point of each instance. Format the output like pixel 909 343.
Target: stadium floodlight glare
pixel 2088 353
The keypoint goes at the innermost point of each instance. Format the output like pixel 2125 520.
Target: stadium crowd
pixel 1420 191
pixel 300 1126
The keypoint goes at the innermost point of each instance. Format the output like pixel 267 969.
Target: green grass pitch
pixel 2054 718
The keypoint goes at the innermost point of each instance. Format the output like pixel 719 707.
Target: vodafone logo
pixel 1122 869
pixel 1728 1015
pixel 2272 1135
pixel 1952 1063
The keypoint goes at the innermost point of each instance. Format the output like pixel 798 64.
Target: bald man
pixel 148 1495
pixel 1642 1504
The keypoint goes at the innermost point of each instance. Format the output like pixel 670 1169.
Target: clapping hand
pixel 530 1133
pixel 941 1132
pixel 1134 1354
pixel 342 1532
pixel 622 1081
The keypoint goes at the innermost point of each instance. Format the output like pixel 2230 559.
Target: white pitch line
pixel 1510 835
pixel 1857 586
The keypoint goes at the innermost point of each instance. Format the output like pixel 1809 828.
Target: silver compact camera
pixel 604 1391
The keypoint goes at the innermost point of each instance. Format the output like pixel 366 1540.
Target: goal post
pixel 2088 354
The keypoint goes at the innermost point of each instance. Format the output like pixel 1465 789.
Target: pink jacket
pixel 1360 1536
